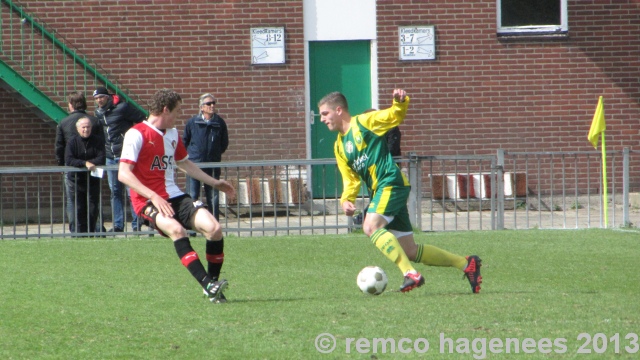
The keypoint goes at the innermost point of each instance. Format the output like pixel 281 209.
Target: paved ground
pixel 325 220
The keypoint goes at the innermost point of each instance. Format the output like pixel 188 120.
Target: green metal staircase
pixel 40 68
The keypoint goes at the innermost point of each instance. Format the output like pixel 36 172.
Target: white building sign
pixel 417 42
pixel 267 45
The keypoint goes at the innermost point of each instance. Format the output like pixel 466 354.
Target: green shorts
pixel 392 201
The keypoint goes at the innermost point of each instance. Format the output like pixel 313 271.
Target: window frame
pixel 562 28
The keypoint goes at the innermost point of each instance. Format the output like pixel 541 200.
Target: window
pixel 532 17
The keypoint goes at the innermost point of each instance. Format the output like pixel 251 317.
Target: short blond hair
pixel 334 100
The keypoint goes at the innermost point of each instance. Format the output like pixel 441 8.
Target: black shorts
pixel 184 209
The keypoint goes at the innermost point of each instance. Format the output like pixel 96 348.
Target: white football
pixel 372 280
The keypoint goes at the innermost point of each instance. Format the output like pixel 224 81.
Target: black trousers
pixel 86 200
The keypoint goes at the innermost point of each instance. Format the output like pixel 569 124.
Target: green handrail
pixel 79 60
pixel 31 93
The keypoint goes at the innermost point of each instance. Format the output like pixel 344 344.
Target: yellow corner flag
pixel 598 124
pixel 597 128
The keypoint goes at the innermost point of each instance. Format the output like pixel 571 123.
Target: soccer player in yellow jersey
pixel 362 155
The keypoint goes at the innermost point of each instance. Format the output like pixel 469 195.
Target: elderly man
pixel 85 150
pixel 66 129
pixel 206 138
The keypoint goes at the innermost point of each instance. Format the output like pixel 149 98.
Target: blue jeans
pixel 213 202
pixel 118 191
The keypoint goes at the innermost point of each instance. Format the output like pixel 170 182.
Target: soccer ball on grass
pixel 372 280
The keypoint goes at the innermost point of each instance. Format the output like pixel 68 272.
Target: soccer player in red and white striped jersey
pixel 151 151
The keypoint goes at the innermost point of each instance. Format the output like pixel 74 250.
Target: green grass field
pixel 132 299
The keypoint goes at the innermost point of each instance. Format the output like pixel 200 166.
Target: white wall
pixel 333 20
pixel 326 20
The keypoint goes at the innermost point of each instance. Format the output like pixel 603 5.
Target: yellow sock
pixel 390 247
pixel 433 256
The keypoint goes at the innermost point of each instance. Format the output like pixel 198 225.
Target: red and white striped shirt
pixel 154 154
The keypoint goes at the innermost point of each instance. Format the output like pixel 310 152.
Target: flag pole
pixel 604 183
pixel 597 127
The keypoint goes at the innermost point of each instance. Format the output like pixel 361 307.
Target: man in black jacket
pixel 206 139
pixel 86 151
pixel 116 117
pixel 64 132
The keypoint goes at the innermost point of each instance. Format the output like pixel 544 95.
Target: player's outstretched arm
pixel 399 95
pixel 195 172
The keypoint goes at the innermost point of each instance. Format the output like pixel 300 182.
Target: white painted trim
pixel 375 101
pixel 539 29
pixel 335 20
pixel 332 20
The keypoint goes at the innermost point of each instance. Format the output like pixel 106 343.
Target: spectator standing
pixel 393 137
pixel 85 150
pixel 116 117
pixel 206 139
pixel 64 132
pixel 393 141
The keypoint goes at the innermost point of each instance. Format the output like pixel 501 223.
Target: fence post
pixel 414 204
pixel 499 189
pixel 625 188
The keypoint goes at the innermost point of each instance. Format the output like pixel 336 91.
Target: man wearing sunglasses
pixel 206 139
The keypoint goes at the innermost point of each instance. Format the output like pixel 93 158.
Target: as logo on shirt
pixel 161 163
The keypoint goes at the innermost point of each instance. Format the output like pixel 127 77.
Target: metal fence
pixel 513 190
pixel 525 190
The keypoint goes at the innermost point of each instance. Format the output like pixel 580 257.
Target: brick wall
pixel 25 139
pixel 196 47
pixel 522 95
pixel 482 93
